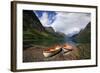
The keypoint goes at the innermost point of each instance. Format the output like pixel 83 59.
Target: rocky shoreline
pixel 35 54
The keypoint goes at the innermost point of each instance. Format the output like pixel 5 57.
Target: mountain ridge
pixel 34 33
pixel 84 35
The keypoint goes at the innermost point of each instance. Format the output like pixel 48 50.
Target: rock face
pixel 85 35
pixel 50 29
pixel 84 42
pixel 30 21
pixel 31 24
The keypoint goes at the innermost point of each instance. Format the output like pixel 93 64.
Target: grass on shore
pixel 84 50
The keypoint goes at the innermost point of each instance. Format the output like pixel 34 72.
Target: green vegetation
pixel 35 37
pixel 84 51
pixel 35 34
pixel 85 35
pixel 84 42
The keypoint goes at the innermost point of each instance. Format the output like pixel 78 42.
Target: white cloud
pixel 44 19
pixel 66 22
pixel 70 22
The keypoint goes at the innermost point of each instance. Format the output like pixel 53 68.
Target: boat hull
pixel 49 54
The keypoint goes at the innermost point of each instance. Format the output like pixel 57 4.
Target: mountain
pixel 36 34
pixel 84 35
pixel 30 21
pixel 50 29
pixel 84 42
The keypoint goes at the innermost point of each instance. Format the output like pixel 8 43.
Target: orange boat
pixel 51 51
pixel 67 48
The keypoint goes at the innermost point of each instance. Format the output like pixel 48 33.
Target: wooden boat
pixel 51 51
pixel 66 48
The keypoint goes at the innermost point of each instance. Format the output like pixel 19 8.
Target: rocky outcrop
pixel 50 29
pixel 84 36
pixel 30 21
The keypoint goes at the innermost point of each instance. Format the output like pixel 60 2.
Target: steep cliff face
pixel 50 29
pixel 84 42
pixel 35 34
pixel 85 35
pixel 31 28
pixel 30 21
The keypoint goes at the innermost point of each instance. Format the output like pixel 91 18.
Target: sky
pixel 69 23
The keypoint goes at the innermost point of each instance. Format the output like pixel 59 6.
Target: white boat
pixel 51 51
pixel 66 48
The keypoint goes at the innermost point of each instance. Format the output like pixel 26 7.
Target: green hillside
pixel 84 42
pixel 85 35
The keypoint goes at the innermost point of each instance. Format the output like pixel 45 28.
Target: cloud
pixel 44 19
pixel 70 23
pixel 66 22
